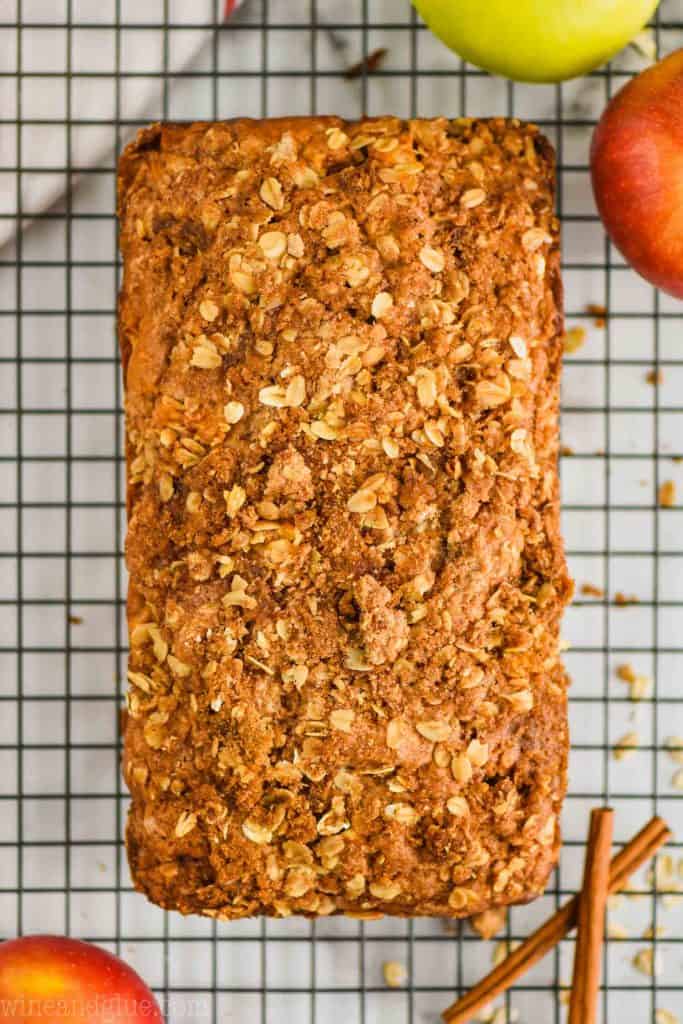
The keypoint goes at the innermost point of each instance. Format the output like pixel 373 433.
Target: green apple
pixel 536 40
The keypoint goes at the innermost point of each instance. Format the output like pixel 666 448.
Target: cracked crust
pixel 341 351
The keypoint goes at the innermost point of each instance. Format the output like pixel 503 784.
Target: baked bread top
pixel 341 346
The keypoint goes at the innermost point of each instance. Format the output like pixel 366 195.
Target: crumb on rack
pixel 667 494
pixel 590 590
pixel 372 62
pixel 654 377
pixel 665 878
pixel 566 450
pixel 573 340
pixel 674 748
pixel 76 620
pixel 662 872
pixel 665 1017
pixel 622 599
pixel 633 894
pixel 489 922
pixel 598 311
pixel 394 973
pixel 626 673
pixel 502 951
pixel 626 746
pixel 646 962
pixel 640 686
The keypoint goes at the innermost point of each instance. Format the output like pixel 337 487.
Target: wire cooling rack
pixel 62 584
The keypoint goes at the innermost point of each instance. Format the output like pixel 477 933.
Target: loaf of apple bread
pixel 341 347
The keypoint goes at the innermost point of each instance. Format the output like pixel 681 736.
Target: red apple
pixel 637 169
pixel 49 980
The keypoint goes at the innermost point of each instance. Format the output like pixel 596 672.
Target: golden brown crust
pixel 341 349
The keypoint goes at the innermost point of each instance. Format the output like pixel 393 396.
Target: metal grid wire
pixel 62 585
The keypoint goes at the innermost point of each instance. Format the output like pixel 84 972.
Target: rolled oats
pixel 185 824
pixel 461 768
pixel 458 806
pixel 381 304
pixel 166 487
pixel 472 197
pixel 403 813
pixel 342 719
pixel 273 244
pixel 271 194
pixel 385 890
pixel 206 356
pixel 432 259
pixel 256 833
pixel 434 730
pixel 233 412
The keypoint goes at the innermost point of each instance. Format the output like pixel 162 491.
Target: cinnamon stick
pixel 591 925
pixel 640 849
